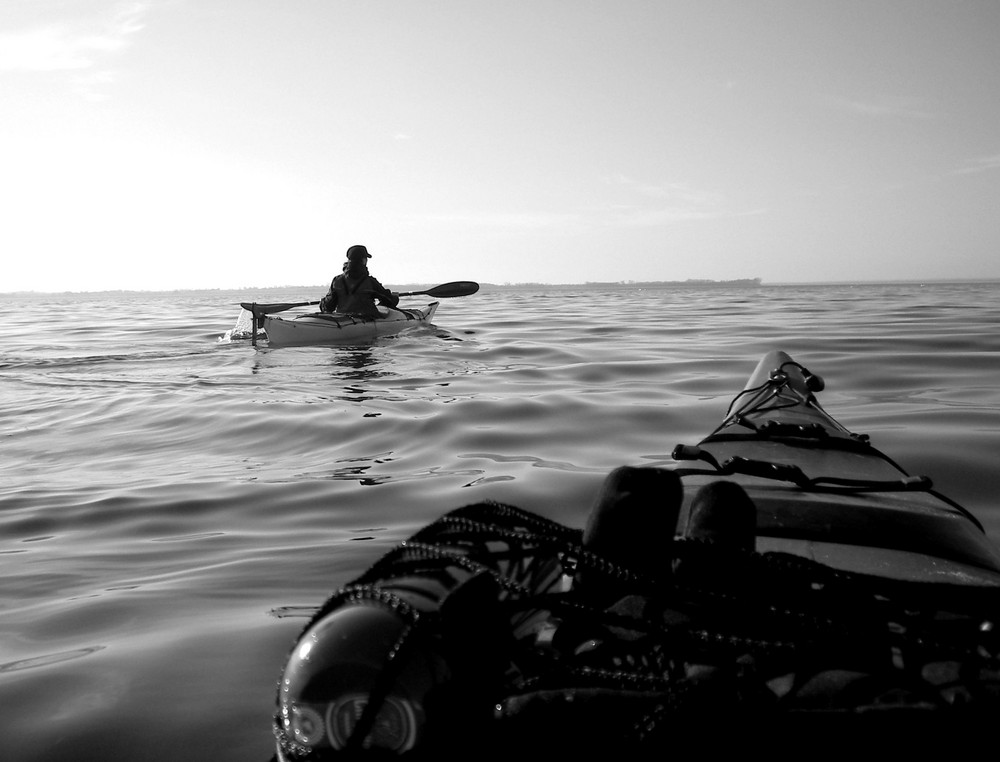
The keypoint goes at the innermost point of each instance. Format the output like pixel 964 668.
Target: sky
pixel 189 144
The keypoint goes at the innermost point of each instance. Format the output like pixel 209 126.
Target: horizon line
pixel 748 282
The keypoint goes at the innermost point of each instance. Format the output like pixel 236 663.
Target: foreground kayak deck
pixel 784 567
pixel 337 328
pixel 827 494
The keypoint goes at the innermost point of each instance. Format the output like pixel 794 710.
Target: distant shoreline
pixel 589 285
pixel 697 282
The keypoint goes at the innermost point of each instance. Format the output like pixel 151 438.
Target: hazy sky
pixel 236 143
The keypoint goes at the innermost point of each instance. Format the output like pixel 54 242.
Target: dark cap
pixel 358 251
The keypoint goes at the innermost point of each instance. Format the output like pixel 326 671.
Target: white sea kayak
pixel 318 328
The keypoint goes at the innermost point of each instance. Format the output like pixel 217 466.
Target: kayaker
pixel 355 290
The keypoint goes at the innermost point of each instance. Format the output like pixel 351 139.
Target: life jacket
pixel 356 300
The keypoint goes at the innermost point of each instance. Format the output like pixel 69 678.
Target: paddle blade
pixel 448 290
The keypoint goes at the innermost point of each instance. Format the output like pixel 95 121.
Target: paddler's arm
pixel 329 302
pixel 384 295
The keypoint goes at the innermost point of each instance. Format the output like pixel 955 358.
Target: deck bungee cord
pixel 751 588
pixel 478 621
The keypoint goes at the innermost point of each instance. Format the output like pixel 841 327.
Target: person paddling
pixel 355 290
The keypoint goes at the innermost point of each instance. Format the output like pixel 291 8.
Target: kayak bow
pixel 824 493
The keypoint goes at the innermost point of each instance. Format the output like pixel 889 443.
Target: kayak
pixel 825 493
pixel 337 328
pixel 783 567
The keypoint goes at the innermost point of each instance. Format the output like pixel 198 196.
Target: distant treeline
pixel 691 282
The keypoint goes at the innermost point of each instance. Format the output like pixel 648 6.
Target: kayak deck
pixel 827 494
pixel 791 568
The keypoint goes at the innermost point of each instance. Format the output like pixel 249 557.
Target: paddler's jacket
pixel 357 297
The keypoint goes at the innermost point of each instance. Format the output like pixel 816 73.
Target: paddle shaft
pixel 444 291
pixel 263 309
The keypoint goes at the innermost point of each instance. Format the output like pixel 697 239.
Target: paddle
pixel 447 290
pixel 444 291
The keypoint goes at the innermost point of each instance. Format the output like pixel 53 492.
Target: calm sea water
pixel 173 503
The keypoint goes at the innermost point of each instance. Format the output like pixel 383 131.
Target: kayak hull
pixel 337 328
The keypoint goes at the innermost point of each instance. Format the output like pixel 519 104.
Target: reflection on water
pixel 357 364
pixel 48 659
